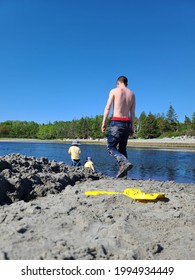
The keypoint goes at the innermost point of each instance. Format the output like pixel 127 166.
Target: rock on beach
pixel 45 214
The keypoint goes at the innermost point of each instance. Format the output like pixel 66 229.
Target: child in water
pixel 74 152
pixel 89 164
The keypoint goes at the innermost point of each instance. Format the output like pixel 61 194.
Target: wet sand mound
pixel 25 178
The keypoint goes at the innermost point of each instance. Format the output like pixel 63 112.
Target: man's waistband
pixel 121 119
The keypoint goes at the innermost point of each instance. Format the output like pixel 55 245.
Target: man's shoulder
pixel 114 91
pixel 130 91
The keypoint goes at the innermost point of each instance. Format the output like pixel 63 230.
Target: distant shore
pixel 176 142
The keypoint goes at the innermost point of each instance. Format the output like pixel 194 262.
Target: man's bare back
pixel 123 101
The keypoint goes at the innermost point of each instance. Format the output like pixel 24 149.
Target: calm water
pixel 148 164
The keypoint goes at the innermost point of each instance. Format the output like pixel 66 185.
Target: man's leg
pixel 123 146
pixel 123 150
pixel 119 134
pixel 113 141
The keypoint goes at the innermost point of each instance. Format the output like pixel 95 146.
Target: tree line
pixel 146 127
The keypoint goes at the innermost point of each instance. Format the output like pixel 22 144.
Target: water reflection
pixel 163 164
pixel 170 174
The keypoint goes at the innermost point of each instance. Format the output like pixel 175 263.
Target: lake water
pixel 153 164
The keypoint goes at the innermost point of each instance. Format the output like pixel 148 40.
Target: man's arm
pixel 132 112
pixel 107 110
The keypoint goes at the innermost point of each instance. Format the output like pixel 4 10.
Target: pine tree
pixel 172 119
pixel 139 123
pixel 193 121
pixel 150 127
pixel 187 122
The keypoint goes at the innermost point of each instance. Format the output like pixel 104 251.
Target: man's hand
pixel 131 131
pixel 103 128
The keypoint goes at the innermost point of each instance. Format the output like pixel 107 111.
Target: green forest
pixel 146 127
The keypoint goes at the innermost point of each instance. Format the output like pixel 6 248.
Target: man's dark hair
pixel 123 79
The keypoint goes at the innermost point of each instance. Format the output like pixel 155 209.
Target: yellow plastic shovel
pixel 133 193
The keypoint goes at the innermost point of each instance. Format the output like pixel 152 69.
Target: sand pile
pixel 54 219
pixel 25 178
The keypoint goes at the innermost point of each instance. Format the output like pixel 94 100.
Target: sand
pixel 45 214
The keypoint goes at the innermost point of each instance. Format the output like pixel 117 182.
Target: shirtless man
pixel 122 123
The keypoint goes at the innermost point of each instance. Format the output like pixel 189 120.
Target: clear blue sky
pixel 60 58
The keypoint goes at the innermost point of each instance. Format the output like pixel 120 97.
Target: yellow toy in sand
pixel 133 193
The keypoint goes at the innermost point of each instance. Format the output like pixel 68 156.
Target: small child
pixel 75 151
pixel 89 164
